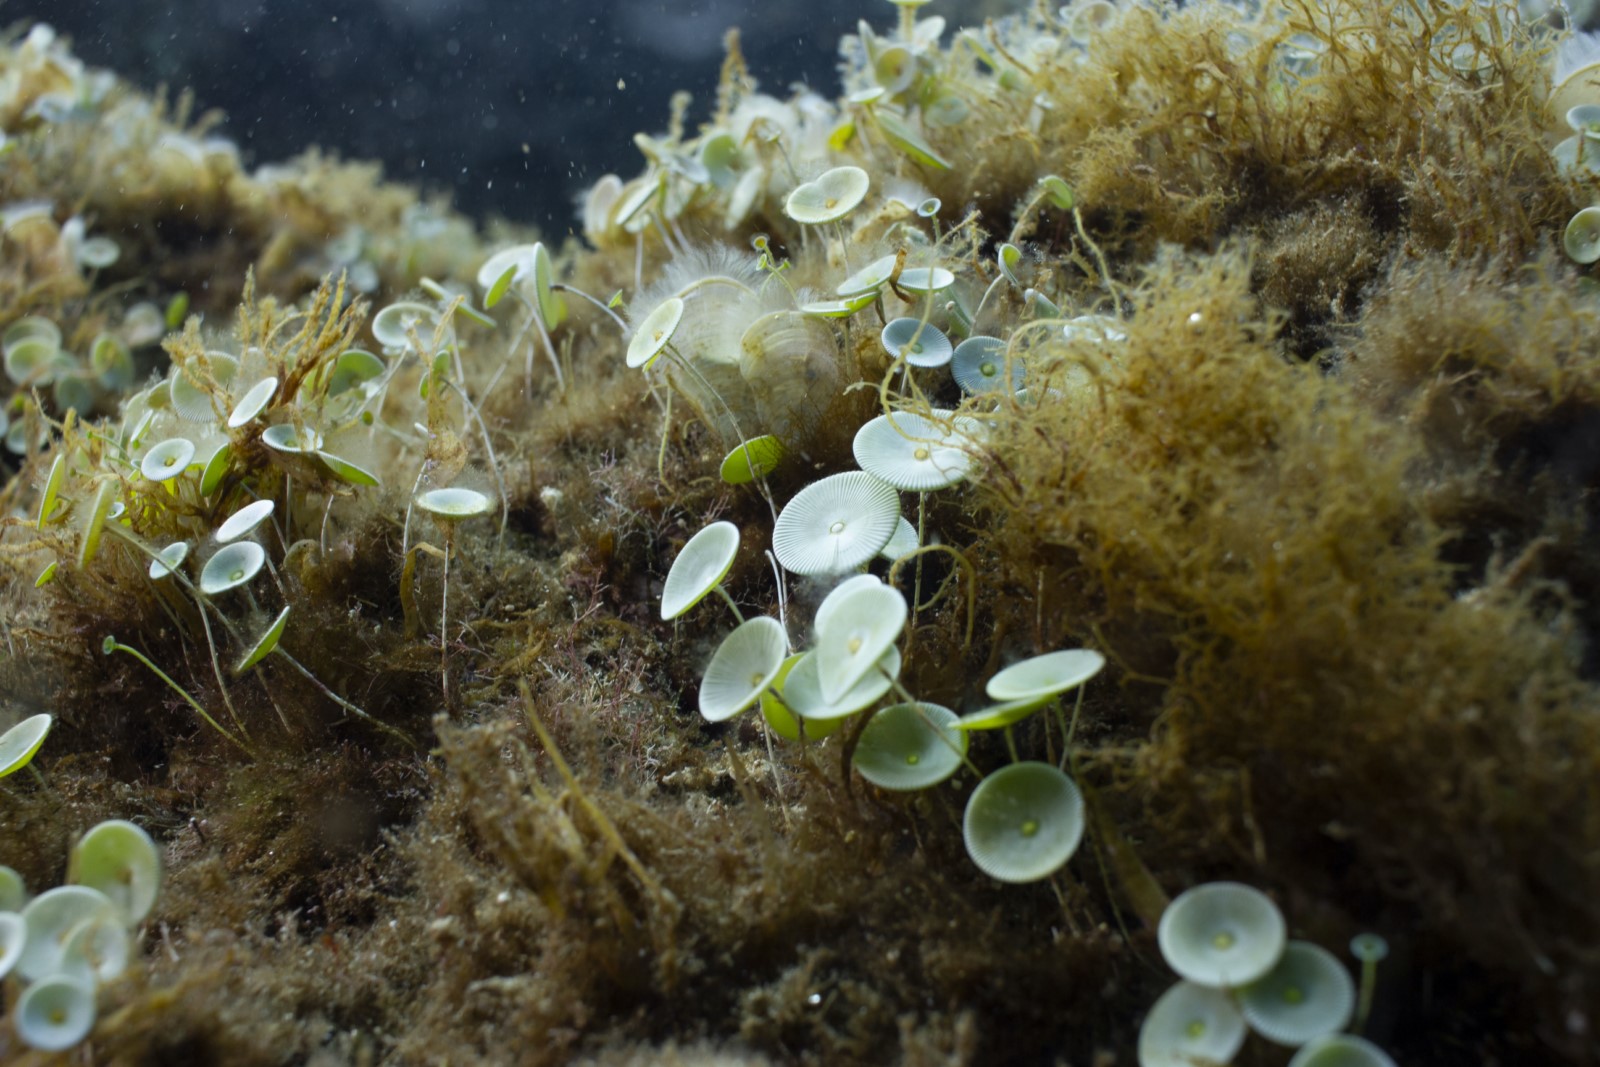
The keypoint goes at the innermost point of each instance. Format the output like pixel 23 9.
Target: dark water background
pixel 511 107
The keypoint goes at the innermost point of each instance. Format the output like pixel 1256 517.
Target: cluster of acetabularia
pixel 1241 972
pixel 67 941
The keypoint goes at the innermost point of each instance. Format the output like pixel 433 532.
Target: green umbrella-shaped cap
pixel 802 689
pixel 781 719
pixel 742 667
pixel 701 564
pixel 1222 934
pixel 836 524
pixel 920 343
pixel 244 520
pixel 1341 1050
pixel 1189 1025
pixel 454 503
pixel 910 746
pixel 862 626
pixel 911 452
pixel 167 459
pixel 20 744
pixel 54 1013
pixel 13 936
pixel 51 917
pixel 868 279
pixel 284 437
pixel 999 716
pixel 13 893
pixel 1046 675
pixel 651 336
pixel 979 366
pixel 231 567
pixel 1581 239
pixel 391 325
pixel 1306 995
pixel 1023 822
pixel 268 641
pixel 829 197
pixel 120 860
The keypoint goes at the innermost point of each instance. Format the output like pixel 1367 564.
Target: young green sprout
pixel 110 644
pixel 910 746
pixel 1023 822
pixel 836 524
pixel 1307 994
pixel 1370 949
pixel 449 507
pixel 1222 934
pixel 54 1013
pixel 1341 1050
pixel 1191 1024
pixel 742 668
pixel 699 569
pixel 750 460
pixel 119 859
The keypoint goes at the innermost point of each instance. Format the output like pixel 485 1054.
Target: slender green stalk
pixel 111 644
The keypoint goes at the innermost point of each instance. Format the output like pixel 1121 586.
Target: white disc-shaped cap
pixel 55 1013
pixel 830 602
pixel 96 951
pixel 1046 675
pixel 252 403
pixel 268 641
pixel 868 279
pixel 1369 947
pixel 231 567
pixel 829 197
pixel 910 746
pixel 285 437
pixel 392 324
pixel 921 343
pixel 244 520
pixel 454 503
pixel 216 467
pixel 170 559
pixel 1581 239
pixel 836 524
pixel 802 689
pixel 702 563
pixel 20 744
pixel 1306 995
pixel 1189 1025
pixel 119 859
pixel 651 336
pixel 167 459
pixel 1222 934
pixel 1341 1050
pixel 979 366
pixel 50 917
pixel 862 627
pixel 1023 822
pixel 742 667
pixel 354 367
pixel 13 936
pixel 903 543
pixel 911 452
